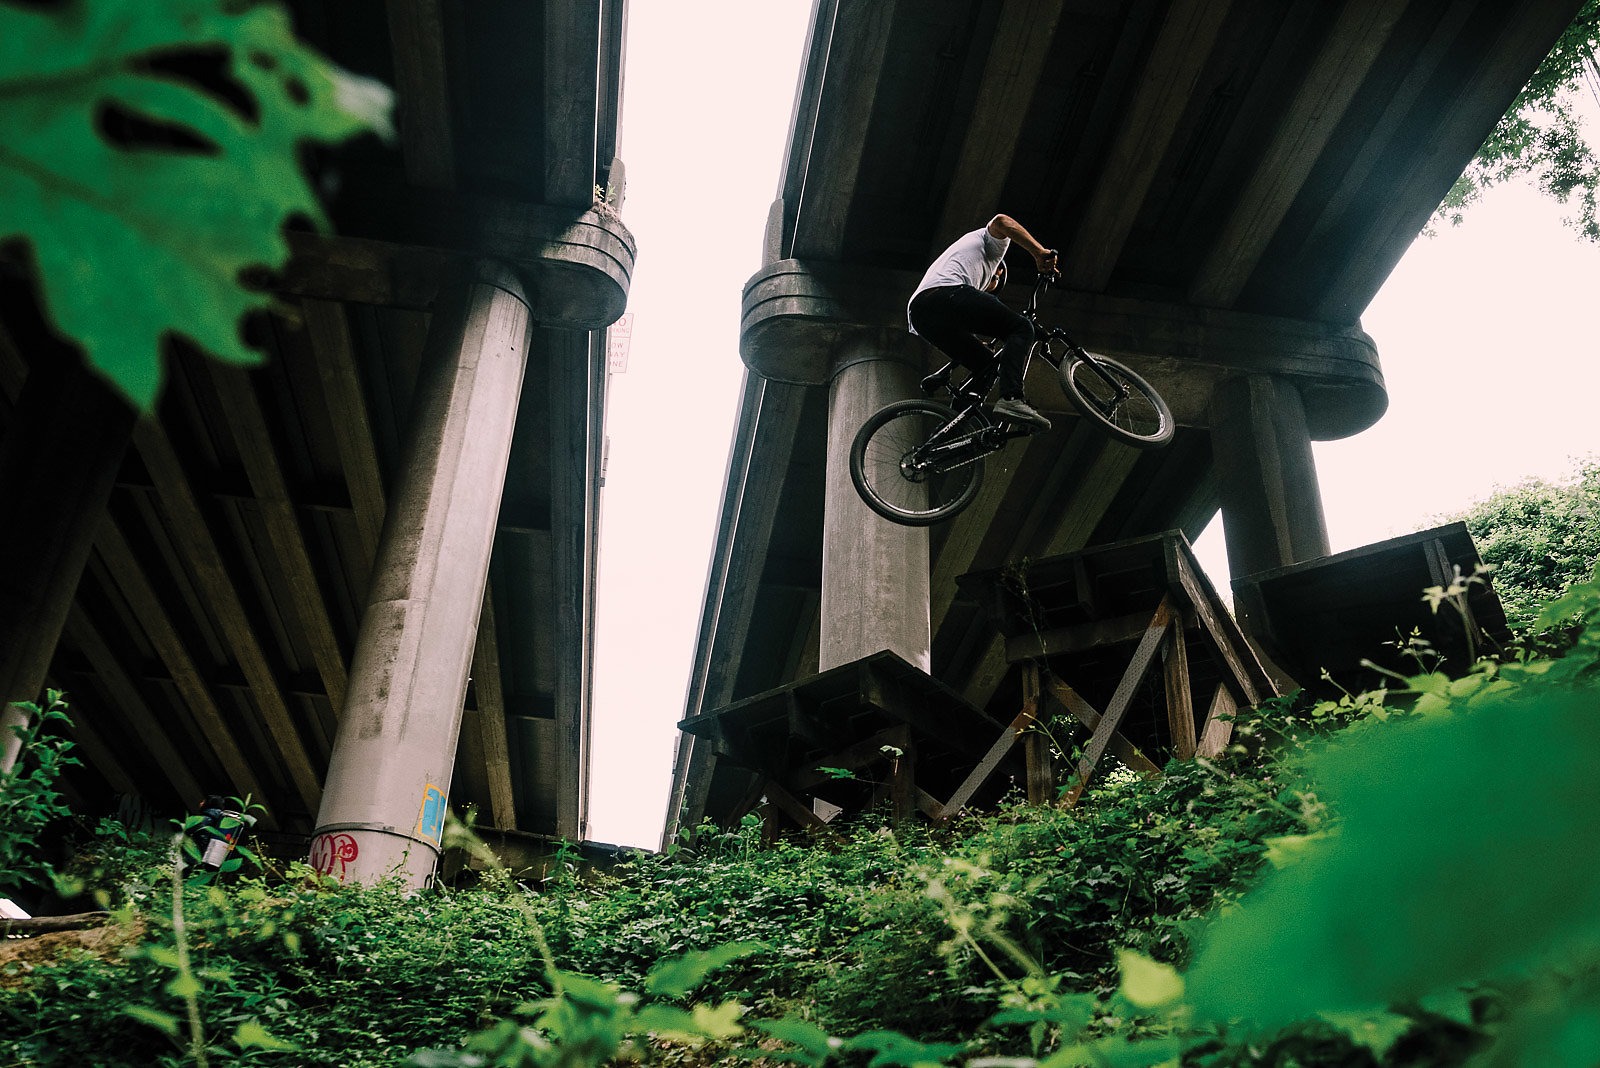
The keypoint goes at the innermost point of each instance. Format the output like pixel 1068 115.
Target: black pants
pixel 952 318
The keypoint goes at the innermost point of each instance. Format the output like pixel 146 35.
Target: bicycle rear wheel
pixel 1119 401
pixel 907 476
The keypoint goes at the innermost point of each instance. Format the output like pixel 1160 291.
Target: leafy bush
pixel 29 800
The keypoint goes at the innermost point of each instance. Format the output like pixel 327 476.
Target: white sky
pixel 1487 336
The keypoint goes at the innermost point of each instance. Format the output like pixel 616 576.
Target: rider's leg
pixel 951 315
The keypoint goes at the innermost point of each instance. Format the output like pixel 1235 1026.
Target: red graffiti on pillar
pixel 328 850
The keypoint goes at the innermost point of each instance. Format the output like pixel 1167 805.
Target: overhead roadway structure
pixel 304 563
pixel 1229 183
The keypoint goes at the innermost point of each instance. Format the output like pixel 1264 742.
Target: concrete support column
pixel 1271 507
pixel 874 572
pixel 58 463
pixel 384 801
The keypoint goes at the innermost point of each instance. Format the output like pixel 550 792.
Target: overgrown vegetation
pixel 1541 538
pixel 1542 135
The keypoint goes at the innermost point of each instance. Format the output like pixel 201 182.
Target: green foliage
pixel 1460 859
pixel 1541 135
pixel 1541 538
pixel 146 177
pixel 29 800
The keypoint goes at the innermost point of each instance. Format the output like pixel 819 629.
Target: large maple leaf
pixel 136 238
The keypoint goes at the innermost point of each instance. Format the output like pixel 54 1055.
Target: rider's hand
pixel 1048 261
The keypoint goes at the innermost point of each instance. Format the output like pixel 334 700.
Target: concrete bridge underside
pixel 1229 183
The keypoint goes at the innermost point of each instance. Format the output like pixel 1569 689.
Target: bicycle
pixel 917 462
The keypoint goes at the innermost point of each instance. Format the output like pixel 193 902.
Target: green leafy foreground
pixel 1396 879
pixel 148 159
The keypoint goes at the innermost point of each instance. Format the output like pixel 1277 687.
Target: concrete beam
pixel 796 314
pixel 574 266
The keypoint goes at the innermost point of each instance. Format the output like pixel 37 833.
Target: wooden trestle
pixel 1084 633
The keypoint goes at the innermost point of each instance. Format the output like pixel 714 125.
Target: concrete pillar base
pixel 875 575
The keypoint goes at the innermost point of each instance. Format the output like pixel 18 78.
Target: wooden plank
pixel 125 572
pixel 572 50
pixel 130 706
pixel 1165 90
pixel 1341 64
pixel 903 776
pixel 1086 714
pixel 866 752
pixel 492 738
pixel 329 331
pixel 1077 638
pixel 850 75
pixel 1017 57
pixel 205 564
pixel 1180 703
pixel 1221 634
pixel 792 807
pixel 278 510
pixel 1138 667
pixel 1217 732
pixel 1036 745
pixel 991 760
pixel 422 90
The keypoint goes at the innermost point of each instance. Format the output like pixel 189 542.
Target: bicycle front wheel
pixel 1118 400
pixel 911 466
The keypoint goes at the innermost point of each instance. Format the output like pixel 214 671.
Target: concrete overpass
pixel 1229 181
pixel 284 571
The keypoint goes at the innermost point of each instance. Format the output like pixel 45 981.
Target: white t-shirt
pixel 971 260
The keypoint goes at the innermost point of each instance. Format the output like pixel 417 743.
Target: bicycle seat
pixel 938 380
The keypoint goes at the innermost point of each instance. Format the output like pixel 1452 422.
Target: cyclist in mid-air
pixel 955 305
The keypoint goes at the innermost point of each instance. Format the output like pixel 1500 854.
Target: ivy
pixel 148 160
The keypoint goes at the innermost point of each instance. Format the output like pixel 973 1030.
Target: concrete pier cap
pixel 797 314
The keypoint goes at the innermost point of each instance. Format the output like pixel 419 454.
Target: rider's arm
pixel 1006 226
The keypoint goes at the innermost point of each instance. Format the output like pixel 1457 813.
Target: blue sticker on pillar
pixel 430 824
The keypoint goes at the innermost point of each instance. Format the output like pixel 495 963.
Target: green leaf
pixel 183 986
pixel 1146 983
pixel 164 1022
pixel 893 1048
pixel 816 1043
pixel 251 1034
pixel 674 977
pixel 1377 1032
pixel 719 1021
pixel 133 242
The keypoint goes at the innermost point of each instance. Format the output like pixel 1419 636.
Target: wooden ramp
pixel 1088 631
pixel 1332 613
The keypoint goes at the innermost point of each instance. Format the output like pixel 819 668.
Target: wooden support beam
pixel 991 760
pixel 1036 744
pixel 1357 37
pixel 492 739
pixel 130 706
pixel 199 548
pixel 1089 716
pixel 278 511
pixel 1138 667
pixel 335 357
pixel 123 570
pixel 422 91
pixel 792 807
pixel 1180 703
pixel 1217 732
pixel 1218 629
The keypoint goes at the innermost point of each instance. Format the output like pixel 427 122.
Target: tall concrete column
pixel 874 572
pixel 384 802
pixel 58 463
pixel 1271 506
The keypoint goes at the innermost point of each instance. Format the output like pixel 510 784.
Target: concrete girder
pixel 797 313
